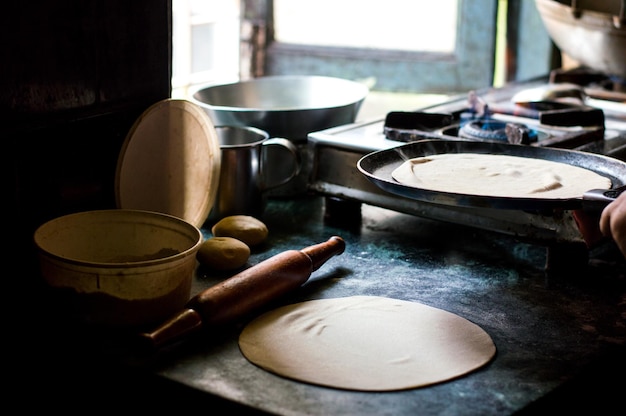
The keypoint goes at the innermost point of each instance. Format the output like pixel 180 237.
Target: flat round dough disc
pixel 170 162
pixel 498 176
pixel 365 343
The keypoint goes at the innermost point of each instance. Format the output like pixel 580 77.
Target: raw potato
pixel 223 253
pixel 242 227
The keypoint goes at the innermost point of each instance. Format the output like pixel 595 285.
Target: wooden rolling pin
pixel 241 294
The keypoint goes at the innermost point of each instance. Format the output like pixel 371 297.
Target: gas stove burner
pixel 498 131
pixel 484 130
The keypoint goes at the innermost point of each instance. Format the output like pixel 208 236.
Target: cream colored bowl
pixel 120 267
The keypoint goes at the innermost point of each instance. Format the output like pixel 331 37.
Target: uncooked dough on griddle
pixel 498 176
pixel 366 343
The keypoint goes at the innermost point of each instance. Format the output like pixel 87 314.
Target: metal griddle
pixel 377 167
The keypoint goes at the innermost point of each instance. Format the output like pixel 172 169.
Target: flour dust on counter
pixel 366 343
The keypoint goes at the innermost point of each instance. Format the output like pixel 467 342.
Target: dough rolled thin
pixel 366 343
pixel 498 176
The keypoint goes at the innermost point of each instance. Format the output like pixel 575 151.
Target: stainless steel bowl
pixel 594 37
pixel 290 107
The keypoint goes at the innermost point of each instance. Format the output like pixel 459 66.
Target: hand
pixel 613 222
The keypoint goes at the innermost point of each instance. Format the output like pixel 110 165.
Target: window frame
pixel 471 65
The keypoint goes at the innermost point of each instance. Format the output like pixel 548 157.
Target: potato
pixel 242 227
pixel 223 253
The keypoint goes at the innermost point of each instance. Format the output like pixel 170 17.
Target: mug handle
pixel 274 147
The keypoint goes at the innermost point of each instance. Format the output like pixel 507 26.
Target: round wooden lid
pixel 170 162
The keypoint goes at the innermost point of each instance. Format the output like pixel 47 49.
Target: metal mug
pixel 251 163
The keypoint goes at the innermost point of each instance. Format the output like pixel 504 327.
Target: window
pixel 391 25
pixel 205 42
pixel 399 45
pixel 403 45
pixel 394 46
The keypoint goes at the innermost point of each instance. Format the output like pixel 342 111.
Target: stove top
pixel 374 135
pixel 333 154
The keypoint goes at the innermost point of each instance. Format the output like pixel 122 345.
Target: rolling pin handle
pixel 182 325
pixel 320 253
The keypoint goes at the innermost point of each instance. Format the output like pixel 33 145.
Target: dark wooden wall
pixel 74 76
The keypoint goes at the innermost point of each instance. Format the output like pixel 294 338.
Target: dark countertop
pixel 558 337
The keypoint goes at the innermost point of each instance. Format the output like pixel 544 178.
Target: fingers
pixel 613 222
pixel 605 219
